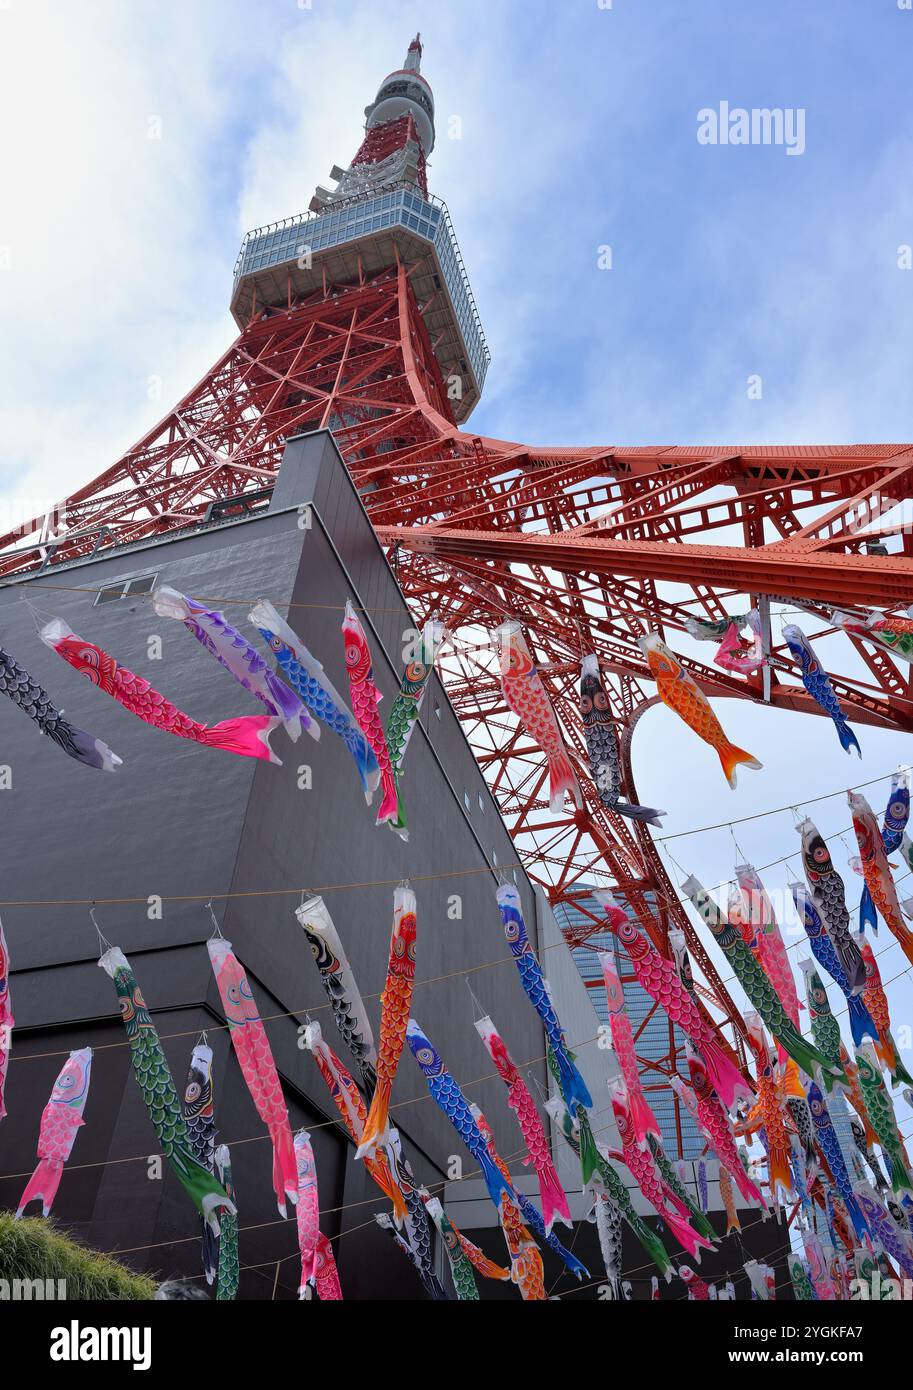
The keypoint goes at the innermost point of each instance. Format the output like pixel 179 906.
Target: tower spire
pixel 399 137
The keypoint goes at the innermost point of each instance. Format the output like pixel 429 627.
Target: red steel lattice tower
pixel 358 317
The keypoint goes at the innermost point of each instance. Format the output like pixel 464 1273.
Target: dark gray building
pixel 186 823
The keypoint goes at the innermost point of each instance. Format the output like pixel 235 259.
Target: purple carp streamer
pixel 34 701
pixel 233 651
pixel 252 1049
pixel 157 1086
pixel 342 991
pixel 61 1121
pixel 6 1018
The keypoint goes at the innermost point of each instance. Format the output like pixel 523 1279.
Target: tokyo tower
pixel 357 316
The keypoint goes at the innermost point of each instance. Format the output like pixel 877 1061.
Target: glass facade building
pixel 649 1024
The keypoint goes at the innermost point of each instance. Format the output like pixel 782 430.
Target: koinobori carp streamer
pixel 61 1121
pixel 894 825
pixel 554 1201
pixel 348 1007
pixel 365 698
pixel 247 736
pixel 527 697
pixel 255 1058
pixel 6 1018
pixel 158 1090
pixel 395 1003
pixel 233 651
pixel 602 745
pixel 199 1116
pixel 573 1086
pixel 660 979
pixel 306 676
pixel 677 689
pixel 34 701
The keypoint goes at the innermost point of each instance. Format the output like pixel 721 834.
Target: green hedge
pixel 32 1249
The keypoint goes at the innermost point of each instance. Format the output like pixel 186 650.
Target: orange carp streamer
pixel 395 1004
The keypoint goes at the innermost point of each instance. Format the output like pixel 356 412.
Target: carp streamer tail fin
pixel 249 736
pixel 731 756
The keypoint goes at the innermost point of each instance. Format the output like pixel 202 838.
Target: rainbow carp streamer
pixel 232 651
pixel 255 1058
pixel 307 677
pixel 573 1087
pixel 61 1121
pixel 352 1110
pixel 247 736
pixel 158 1091
pixel 33 700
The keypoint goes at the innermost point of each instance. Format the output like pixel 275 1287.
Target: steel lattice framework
pixel 584 546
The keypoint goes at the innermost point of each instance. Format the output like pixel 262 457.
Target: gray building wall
pixel 189 823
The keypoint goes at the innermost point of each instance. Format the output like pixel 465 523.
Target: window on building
pixel 466 802
pixel 494 856
pixel 481 803
pixel 437 710
pixel 126 588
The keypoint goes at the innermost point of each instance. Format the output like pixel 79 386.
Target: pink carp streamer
pixel 307 1212
pixel 704 1104
pixel 6 1018
pixel 642 1117
pixel 667 1204
pixel 252 1049
pixel 329 1289
pixel 554 1200
pixel 247 736
pixel 61 1121
pixel 660 979
pixel 527 697
pixel 365 698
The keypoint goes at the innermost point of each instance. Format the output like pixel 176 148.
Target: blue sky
pixel 578 130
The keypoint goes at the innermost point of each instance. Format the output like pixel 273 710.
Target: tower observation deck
pixel 380 214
